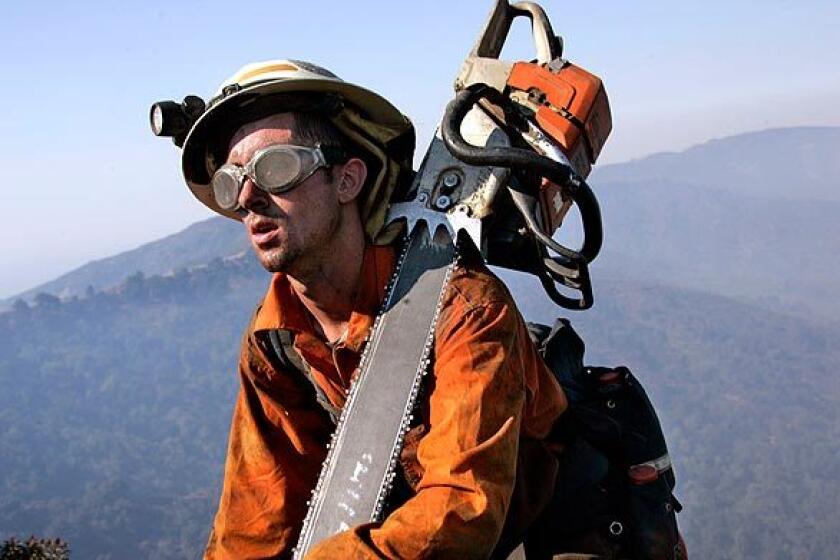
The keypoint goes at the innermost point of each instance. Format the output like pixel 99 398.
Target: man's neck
pixel 328 289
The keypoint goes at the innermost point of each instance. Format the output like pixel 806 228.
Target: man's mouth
pixel 262 231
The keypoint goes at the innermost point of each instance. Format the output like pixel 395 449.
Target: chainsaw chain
pixel 408 414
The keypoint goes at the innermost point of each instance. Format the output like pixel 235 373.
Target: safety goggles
pixel 274 169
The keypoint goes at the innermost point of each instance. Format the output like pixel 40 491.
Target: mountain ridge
pixel 805 164
pixel 219 237
pixel 196 244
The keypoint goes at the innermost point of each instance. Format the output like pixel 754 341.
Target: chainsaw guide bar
pixel 361 462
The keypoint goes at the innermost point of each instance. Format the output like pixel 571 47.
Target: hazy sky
pixel 85 179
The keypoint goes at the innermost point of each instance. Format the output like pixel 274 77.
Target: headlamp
pixel 173 119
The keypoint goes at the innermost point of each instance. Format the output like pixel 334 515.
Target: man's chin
pixel 274 260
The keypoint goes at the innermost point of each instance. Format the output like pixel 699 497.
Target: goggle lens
pixel 226 186
pixel 276 170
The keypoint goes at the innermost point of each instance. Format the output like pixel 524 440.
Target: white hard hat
pixel 367 118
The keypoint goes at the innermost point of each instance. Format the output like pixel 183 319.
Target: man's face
pixel 291 231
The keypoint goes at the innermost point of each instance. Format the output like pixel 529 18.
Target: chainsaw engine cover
pixel 570 105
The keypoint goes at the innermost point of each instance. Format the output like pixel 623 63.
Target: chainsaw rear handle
pixel 570 268
pixel 495 32
pixel 526 202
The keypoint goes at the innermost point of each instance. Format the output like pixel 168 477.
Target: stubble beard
pixel 297 258
pixel 277 259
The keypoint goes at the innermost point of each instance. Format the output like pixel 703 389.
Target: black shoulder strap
pixel 561 348
pixel 282 342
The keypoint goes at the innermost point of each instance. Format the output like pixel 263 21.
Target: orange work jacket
pixel 490 399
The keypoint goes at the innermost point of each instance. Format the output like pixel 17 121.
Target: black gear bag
pixel 614 494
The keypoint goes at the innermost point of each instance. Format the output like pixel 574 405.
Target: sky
pixel 85 178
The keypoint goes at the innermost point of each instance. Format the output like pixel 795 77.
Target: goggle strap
pixel 334 154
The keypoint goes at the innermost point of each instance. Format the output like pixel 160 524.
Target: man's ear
pixel 351 178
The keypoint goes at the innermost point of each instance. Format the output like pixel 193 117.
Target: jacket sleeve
pixel 468 456
pixel 275 450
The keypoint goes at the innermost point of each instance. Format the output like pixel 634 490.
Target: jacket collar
pixel 282 309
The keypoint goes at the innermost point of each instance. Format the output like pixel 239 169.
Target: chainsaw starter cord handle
pixel 511 158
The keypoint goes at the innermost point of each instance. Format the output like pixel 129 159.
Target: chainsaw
pixel 506 165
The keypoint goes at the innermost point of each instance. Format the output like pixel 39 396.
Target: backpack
pixel 614 492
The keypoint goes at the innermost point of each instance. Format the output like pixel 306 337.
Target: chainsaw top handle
pixel 497 27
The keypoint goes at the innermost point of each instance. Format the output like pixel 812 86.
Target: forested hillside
pixel 115 410
pixel 777 254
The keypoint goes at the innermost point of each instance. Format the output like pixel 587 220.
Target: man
pixel 309 163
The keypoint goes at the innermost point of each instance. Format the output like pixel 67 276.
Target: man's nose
pixel 252 197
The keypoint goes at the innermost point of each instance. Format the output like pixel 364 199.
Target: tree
pixel 35 549
pixel 134 287
pixel 47 301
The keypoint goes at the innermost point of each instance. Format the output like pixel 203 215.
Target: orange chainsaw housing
pixel 570 106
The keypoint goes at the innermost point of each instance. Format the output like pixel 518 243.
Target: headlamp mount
pixel 174 120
